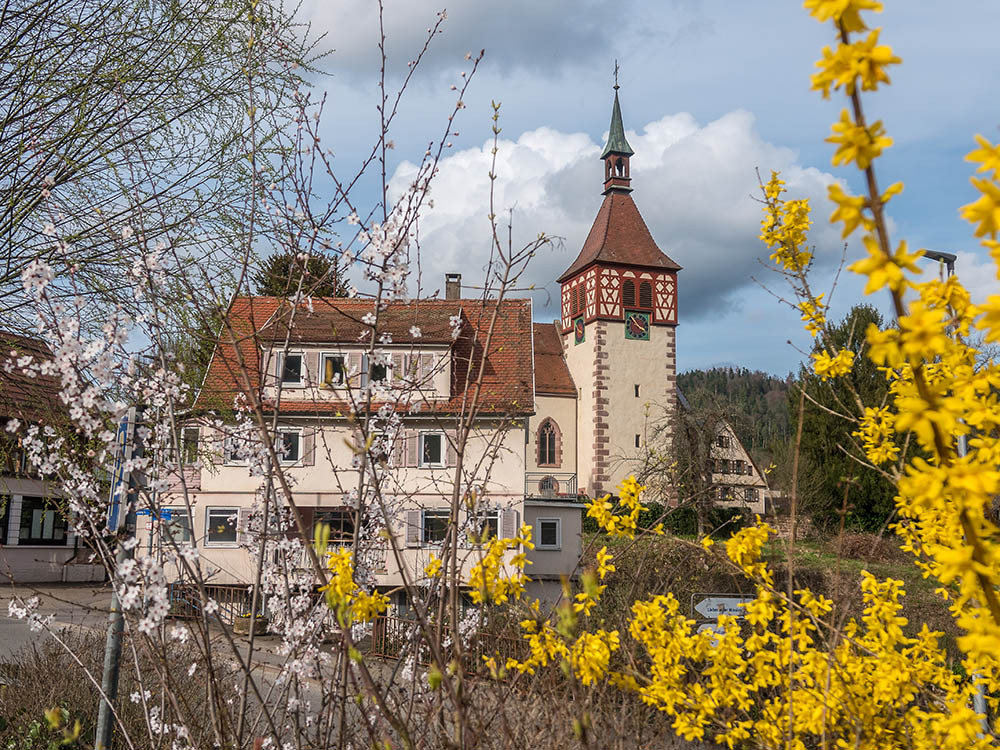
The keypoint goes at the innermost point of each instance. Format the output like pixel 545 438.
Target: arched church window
pixel 547 438
pixel 646 295
pixel 628 293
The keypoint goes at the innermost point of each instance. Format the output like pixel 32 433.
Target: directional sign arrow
pixel 714 606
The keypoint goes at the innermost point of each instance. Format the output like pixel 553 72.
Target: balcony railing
pixel 550 484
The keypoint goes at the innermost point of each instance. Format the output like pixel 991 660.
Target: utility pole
pixel 132 448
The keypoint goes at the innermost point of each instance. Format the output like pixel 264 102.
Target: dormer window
pixel 291 369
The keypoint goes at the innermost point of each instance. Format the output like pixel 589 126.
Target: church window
pixel 547 444
pixel 628 293
pixel 637 390
pixel 645 295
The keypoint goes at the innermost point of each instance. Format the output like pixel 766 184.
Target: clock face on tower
pixel 637 326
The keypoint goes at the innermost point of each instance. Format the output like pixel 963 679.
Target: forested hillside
pixel 755 403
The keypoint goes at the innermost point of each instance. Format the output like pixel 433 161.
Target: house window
pixel 41 522
pixel 334 369
pixel 435 526
pixel 291 369
pixel 340 522
pixel 547 444
pixel 189 445
pixel 486 526
pixel 628 293
pixel 289 446
pixel 373 371
pixel 431 449
pixel 722 441
pixel 646 295
pixel 749 469
pixel 738 466
pixel 233 451
pixel 637 390
pixel 548 487
pixel 751 494
pixel 636 441
pixel 220 526
pixel 549 533
pixel 177 527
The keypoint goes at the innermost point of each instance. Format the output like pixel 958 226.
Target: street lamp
pixel 979 697
pixel 947 258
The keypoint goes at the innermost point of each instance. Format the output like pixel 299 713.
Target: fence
pixel 394 637
pixel 233 601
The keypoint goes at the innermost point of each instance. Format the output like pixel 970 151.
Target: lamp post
pixel 979 697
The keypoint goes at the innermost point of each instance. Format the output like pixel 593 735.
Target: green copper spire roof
pixel 616 133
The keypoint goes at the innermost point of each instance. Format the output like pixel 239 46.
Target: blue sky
pixel 711 90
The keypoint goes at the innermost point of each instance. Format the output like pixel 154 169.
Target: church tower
pixel 618 324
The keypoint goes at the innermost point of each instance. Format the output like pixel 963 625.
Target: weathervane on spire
pixel 616 74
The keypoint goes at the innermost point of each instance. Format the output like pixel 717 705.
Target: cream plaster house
pixel 37 542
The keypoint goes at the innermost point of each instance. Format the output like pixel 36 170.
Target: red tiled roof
pixel 258 323
pixel 619 235
pixel 551 372
pixel 33 399
pixel 339 320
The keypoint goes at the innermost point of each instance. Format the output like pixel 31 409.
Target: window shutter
pixel 276 367
pixel 399 449
pixel 312 376
pixel 509 525
pixel 308 447
pixel 412 448
pixel 397 367
pixel 353 368
pixel 426 369
pixel 243 526
pixel 451 456
pixel 414 527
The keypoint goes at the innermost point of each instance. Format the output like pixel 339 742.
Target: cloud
pixel 694 185
pixel 518 34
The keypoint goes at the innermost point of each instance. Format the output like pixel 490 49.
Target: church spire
pixel 617 151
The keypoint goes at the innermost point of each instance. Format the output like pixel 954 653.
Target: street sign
pixel 713 606
pixel 119 476
pixel 165 515
pixel 714 627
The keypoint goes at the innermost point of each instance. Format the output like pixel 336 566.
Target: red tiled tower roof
pixel 619 236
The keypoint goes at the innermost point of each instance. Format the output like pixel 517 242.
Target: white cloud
pixel 694 185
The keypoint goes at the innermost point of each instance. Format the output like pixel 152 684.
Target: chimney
pixel 453 286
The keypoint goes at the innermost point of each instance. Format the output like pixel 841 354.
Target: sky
pixel 711 92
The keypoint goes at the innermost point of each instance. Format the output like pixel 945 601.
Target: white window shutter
pixel 509 525
pixel 276 358
pixel 243 525
pixel 451 456
pixel 308 447
pixel 426 369
pixel 354 368
pixel 414 527
pixel 412 448
pixel 397 366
